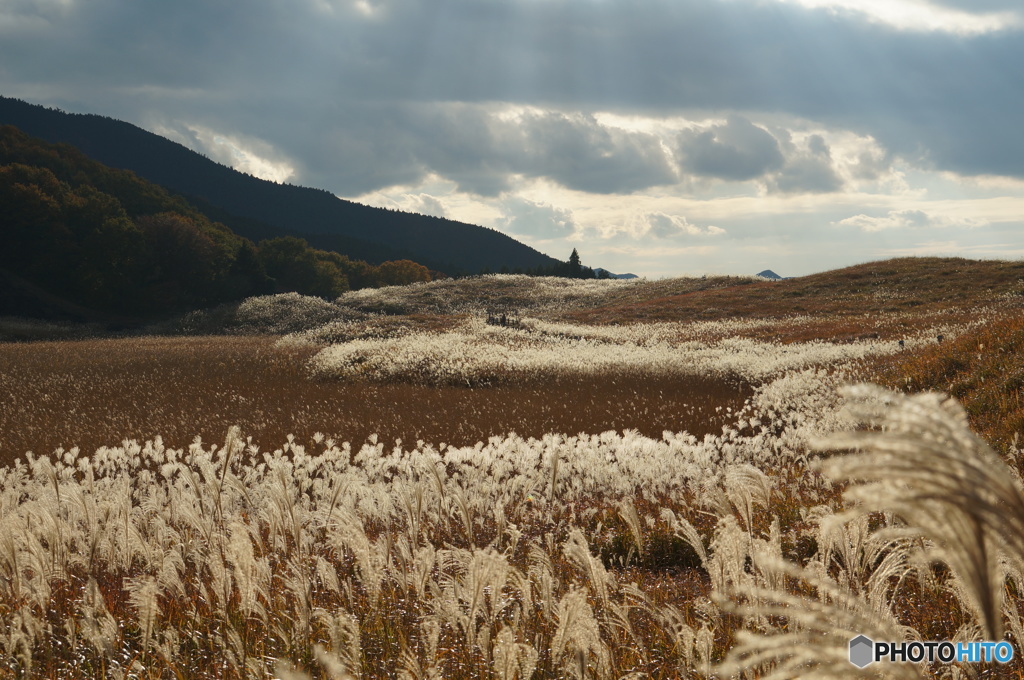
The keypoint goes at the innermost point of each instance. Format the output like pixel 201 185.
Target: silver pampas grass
pixel 945 496
pixel 920 461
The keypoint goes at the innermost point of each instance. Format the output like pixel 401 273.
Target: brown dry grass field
pixel 92 393
pixel 983 369
pixel 907 288
pixel 89 393
pixel 98 392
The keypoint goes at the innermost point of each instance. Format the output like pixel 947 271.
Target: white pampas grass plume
pixel 813 638
pixel 921 462
pixel 331 666
pixel 513 660
pixel 143 593
pixel 346 640
pixel 578 552
pixel 577 642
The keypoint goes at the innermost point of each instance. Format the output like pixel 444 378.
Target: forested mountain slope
pixel 83 241
pixel 259 209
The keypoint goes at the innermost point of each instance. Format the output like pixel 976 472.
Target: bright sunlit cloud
pixel 910 219
pixel 920 15
pixel 251 156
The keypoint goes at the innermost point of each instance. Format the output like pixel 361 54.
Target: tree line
pixel 110 241
pixel 572 269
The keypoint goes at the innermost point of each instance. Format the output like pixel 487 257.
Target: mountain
pixel 769 274
pixel 600 270
pixel 82 241
pixel 259 209
pixel 79 240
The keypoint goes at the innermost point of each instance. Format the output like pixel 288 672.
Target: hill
pixel 604 273
pixel 84 242
pixel 923 285
pixel 259 209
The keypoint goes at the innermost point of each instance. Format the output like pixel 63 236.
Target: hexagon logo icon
pixel 862 651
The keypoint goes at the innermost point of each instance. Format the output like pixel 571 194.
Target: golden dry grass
pixel 93 393
pixel 983 368
pixel 903 286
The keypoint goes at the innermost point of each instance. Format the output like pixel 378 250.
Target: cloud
pixel 959 17
pixel 763 117
pixel 30 16
pixel 481 148
pixel 351 75
pixel 529 218
pixel 425 204
pixel 976 6
pixel 252 156
pixel 736 150
pixel 579 153
pixel 909 219
pixel 421 203
pixel 660 225
pixel 807 170
pixel 484 149
pixel 871 164
pixel 740 150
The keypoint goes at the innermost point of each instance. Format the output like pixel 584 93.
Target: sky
pixel 658 137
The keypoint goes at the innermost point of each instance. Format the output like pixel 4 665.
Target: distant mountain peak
pixel 599 270
pixel 769 274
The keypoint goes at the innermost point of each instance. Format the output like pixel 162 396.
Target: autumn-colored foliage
pixel 983 368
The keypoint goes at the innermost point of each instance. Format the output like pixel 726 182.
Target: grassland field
pixel 387 486
pixel 92 393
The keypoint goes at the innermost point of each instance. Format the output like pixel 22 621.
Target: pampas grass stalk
pixel 813 630
pixel 948 494
pixel 921 462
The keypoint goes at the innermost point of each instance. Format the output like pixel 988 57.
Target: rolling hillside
pixel 910 284
pixel 259 209
pixel 81 241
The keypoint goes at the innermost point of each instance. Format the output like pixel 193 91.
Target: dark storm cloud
pixel 352 98
pixel 737 150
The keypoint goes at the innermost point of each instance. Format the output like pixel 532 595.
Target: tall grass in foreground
pixel 947 499
pixel 582 556
pixel 597 556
